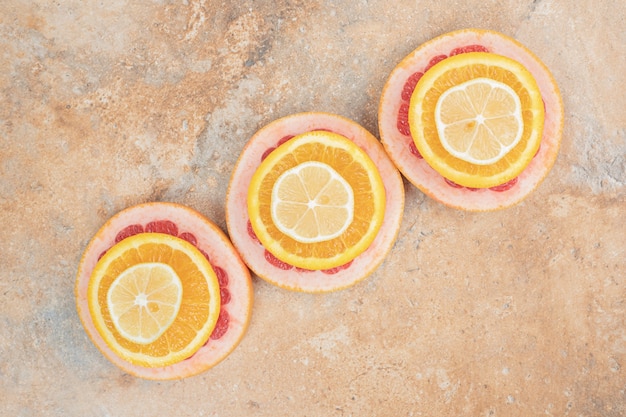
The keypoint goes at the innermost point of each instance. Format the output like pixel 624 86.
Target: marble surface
pixel 106 104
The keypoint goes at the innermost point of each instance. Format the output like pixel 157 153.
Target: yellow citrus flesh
pixel 144 300
pixel 312 203
pixel 479 121
pixel 161 277
pixel 317 201
pixel 477 118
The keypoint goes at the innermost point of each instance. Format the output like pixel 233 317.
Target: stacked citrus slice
pixel 162 292
pixel 473 119
pixel 324 203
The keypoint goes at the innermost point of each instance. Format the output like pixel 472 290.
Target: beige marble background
pixel 105 104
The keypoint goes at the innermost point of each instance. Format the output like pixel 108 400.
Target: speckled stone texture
pixel 106 104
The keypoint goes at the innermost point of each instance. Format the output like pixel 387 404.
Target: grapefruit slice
pixel 393 121
pixel 235 284
pixel 262 261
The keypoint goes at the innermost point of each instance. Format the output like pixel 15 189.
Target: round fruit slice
pixel 232 275
pixel 479 121
pixel 144 301
pixel 312 203
pixel 262 261
pixel 471 110
pixel 317 201
pixel 393 119
pixel 154 299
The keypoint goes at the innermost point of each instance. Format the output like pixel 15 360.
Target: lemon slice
pixel 479 121
pixel 311 203
pixel 144 301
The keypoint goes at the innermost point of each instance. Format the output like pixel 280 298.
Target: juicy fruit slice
pixel 301 166
pixel 469 76
pixel 144 300
pixel 233 277
pixel 262 146
pixel 312 203
pixel 479 121
pixel 400 146
pixel 124 264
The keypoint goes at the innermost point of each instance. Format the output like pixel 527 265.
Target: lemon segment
pixel 144 301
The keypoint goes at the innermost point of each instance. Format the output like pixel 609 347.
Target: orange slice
pixel 317 201
pixel 477 118
pixel 154 299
